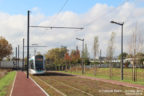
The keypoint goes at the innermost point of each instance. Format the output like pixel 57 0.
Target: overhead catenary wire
pixel 51 27
pixel 54 19
pixel 58 13
pixel 106 15
pixel 36 46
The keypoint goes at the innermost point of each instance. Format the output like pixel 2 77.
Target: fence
pixel 111 72
pixel 10 64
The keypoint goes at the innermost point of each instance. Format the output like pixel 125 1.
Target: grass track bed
pixel 69 84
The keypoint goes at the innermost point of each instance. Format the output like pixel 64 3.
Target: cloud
pixel 96 22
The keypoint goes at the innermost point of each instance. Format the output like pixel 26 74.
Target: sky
pixel 51 7
pixel 93 15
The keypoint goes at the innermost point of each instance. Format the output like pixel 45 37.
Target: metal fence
pixel 10 64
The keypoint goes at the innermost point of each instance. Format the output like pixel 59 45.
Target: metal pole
pixel 23 56
pixel 122 52
pixel 18 56
pixel 100 58
pixel 83 57
pixel 28 44
pixel 15 57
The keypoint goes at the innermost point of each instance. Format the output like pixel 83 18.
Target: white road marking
pixel 40 87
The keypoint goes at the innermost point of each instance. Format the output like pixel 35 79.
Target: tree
pixel 124 55
pixel 110 48
pixel 86 55
pixel 56 56
pixel 135 46
pixel 67 59
pixel 110 51
pixel 140 58
pixel 75 57
pixel 95 49
pixel 5 48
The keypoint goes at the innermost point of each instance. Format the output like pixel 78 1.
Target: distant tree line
pixel 62 58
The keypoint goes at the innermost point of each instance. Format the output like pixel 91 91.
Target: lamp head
pixel 112 22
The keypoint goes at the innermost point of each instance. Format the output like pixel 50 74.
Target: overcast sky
pixel 93 15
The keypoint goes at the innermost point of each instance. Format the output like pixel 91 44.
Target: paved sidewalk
pixel 25 87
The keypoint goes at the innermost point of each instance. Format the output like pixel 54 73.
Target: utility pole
pixel 18 56
pixel 100 58
pixel 28 22
pixel 23 56
pixel 122 51
pixel 28 26
pixel 83 57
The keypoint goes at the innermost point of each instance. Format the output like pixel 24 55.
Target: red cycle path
pixel 25 87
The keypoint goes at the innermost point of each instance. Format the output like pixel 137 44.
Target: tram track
pixel 67 85
pixel 58 80
pixel 73 88
pixel 55 89
pixel 63 84
pixel 61 81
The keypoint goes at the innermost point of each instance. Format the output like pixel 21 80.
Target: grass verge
pixel 104 77
pixel 5 82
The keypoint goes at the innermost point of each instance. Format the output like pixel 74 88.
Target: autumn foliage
pixel 67 57
pixel 5 48
pixel 62 57
pixel 75 56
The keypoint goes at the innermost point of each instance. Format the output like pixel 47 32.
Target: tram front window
pixel 39 65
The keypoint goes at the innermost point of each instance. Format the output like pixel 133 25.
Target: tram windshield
pixel 39 62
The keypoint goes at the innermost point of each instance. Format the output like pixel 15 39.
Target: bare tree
pixel 135 46
pixel 110 51
pixel 95 49
pixel 85 56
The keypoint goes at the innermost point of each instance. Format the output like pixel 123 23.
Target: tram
pixel 37 64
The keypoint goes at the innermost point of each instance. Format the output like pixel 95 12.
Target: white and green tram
pixel 37 64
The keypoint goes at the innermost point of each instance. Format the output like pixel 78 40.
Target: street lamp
pixel 82 54
pixel 121 24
